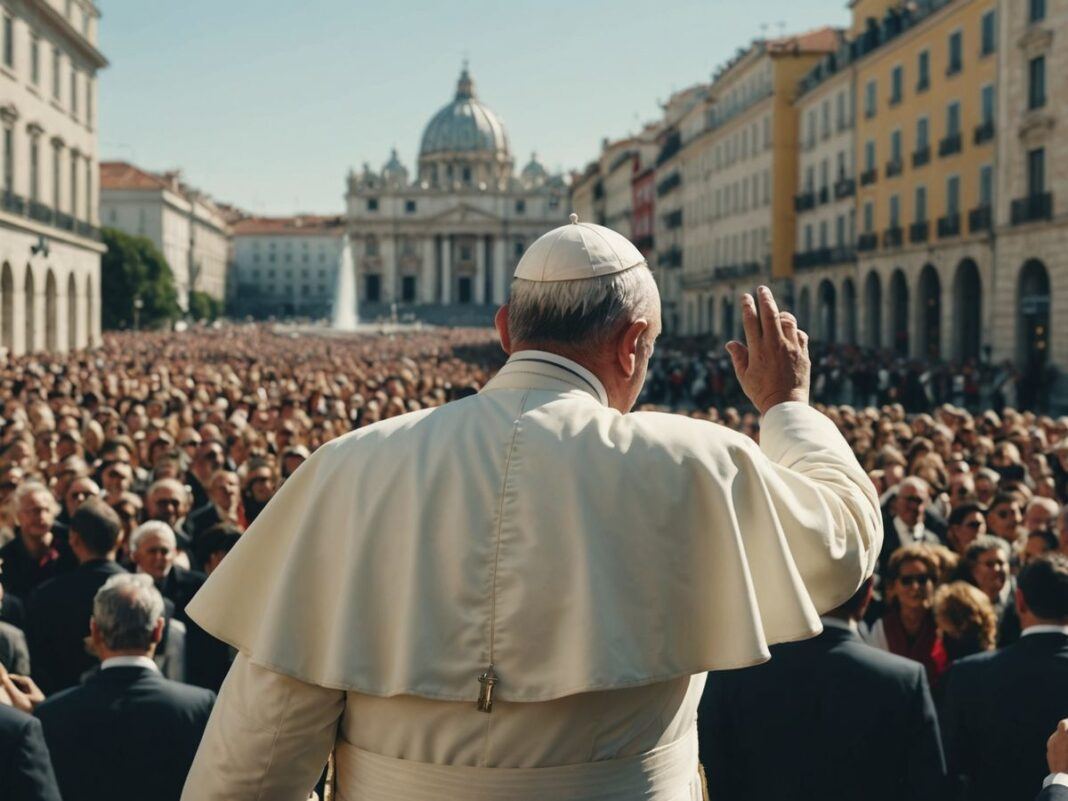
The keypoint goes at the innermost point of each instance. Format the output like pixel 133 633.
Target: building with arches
pixel 49 240
pixel 449 235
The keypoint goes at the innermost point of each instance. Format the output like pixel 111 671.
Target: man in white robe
pixel 518 595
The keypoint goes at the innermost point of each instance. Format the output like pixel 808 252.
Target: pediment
pixel 465 213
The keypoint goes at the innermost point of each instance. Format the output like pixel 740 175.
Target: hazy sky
pixel 267 104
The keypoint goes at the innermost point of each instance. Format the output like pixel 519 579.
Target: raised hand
pixel 773 365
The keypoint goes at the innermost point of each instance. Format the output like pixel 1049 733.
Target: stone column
pixel 428 274
pixel 389 268
pixel 502 277
pixel 446 269
pixel 479 295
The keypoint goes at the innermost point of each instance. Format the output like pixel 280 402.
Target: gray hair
pixel 27 488
pixel 152 528
pixel 984 543
pixel 126 610
pixel 917 483
pixel 582 312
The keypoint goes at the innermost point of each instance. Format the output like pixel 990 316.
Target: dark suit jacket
pixel 999 709
pixel 200 520
pixel 843 720
pixel 207 660
pixel 12 610
pixel 58 622
pixel 1055 792
pixel 179 587
pixel 25 769
pixel 22 574
pixel 892 541
pixel 14 653
pixel 127 734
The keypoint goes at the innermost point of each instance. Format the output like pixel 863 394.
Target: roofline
pixel 83 45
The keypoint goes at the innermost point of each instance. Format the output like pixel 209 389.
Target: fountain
pixel 345 318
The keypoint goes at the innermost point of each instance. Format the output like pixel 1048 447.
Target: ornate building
pixel 451 235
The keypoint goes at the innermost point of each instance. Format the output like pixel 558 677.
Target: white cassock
pixel 600 562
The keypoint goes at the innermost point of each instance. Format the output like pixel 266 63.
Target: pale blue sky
pixel 267 104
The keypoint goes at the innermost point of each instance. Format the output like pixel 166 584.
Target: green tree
pixel 203 306
pixel 134 268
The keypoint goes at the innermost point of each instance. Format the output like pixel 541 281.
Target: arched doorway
pixel 1032 340
pixel 899 313
pixel 727 319
pixel 968 303
pixel 873 301
pixel 72 313
pixel 30 332
pixel 7 308
pixel 827 324
pixel 51 323
pixel 929 309
pixel 849 307
pixel 90 328
pixel 804 310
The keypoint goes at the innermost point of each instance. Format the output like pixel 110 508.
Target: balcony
pixel 673 219
pixel 87 230
pixel 16 204
pixel 672 257
pixel 919 231
pixel 844 187
pixel 893 168
pixel 64 221
pixel 1032 208
pixel 736 271
pixel 822 257
pixel 40 212
pixel 980 219
pixel 866 242
pixel 670 183
pixel 805 201
pixel 950 145
pixel 893 237
pixel 921 156
pixel 824 196
pixel 984 132
pixel 949 226
pixel 869 176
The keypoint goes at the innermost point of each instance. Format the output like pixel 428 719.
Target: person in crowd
pixel 153 547
pixel 905 524
pixel 126 708
pixel 259 488
pixel 58 612
pixel 38 551
pixel 907 627
pixel 25 767
pixel 1001 705
pixel 207 659
pixel 14 650
pixel 224 505
pixel 1040 514
pixel 986 565
pixel 209 459
pixel 986 485
pixel 117 479
pixel 1038 542
pixel 1004 518
pixel 78 491
pixel 966 620
pixel 168 500
pixel 832 694
pixel 966 522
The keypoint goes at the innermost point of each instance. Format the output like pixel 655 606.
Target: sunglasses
pixel 975 524
pixel 909 581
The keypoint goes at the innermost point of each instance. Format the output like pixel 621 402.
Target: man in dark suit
pixel 844 720
pixel 127 734
pixel 39 550
pixel 59 610
pixel 1000 706
pixel 905 519
pixel 153 548
pixel 207 660
pixel 25 769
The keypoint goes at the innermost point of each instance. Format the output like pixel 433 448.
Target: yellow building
pixel 748 156
pixel 926 109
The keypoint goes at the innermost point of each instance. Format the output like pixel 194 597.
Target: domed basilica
pixel 452 234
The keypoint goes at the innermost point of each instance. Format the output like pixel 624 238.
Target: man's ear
pixel 157 631
pixel 627 346
pixel 1021 603
pixel 500 321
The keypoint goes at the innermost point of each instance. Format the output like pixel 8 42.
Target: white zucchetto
pixel 576 251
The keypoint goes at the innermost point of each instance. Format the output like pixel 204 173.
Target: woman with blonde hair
pixel 966 620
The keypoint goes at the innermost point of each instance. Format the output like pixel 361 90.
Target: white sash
pixel 667 773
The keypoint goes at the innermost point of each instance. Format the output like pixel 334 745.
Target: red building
pixel 643 201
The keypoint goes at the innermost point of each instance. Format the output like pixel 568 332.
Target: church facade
pixel 446 237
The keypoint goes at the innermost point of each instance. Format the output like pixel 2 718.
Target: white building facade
pixel 450 235
pixel 49 241
pixel 286 266
pixel 185 225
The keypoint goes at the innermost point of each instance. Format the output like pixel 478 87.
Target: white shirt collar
pixel 1045 629
pixel 591 381
pixel 908 534
pixel 129 661
pixel 837 623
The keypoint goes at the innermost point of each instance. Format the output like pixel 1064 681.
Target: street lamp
pixel 138 304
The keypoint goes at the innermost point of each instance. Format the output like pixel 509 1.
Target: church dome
pixel 534 173
pixel 394 172
pixel 464 126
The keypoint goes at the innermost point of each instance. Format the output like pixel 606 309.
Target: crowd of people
pixel 129 472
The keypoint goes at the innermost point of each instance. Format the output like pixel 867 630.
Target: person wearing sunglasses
pixel 908 626
pixel 966 522
pixel 905 518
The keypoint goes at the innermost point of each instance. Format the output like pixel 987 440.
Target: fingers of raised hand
pixel 789 327
pixel 750 320
pixel 770 322
pixel 739 357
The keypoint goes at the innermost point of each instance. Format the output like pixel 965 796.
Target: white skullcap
pixel 576 251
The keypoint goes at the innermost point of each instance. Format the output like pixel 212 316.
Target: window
pixel 922 133
pixel 810 138
pixel 88 102
pixel 409 207
pixel 73 184
pixel 74 92
pixel 986 104
pixel 9 41
pixel 825 174
pixel 895 211
pixel 869 155
pixel 921 204
pixel 953 119
pixel 897 80
pixel 986 186
pixel 35 60
pixel 9 159
pixel 371 247
pixel 825 119
pixel 895 147
pixel 869 217
pixel 35 167
pixel 1036 82
pixel 839 230
pixel 1036 171
pixel 808 238
pixel 55 72
pixel 841 165
pixel 810 178
pixel 840 105
pixel 88 189
pixel 956 53
pixel 988 33
pixel 372 204
pixel 953 195
pixel 869 99
pixel 923 71
pixel 823 235
pixel 1036 10
pixel 520 206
